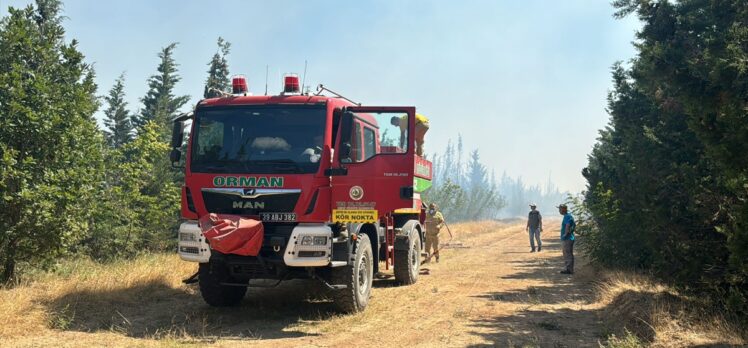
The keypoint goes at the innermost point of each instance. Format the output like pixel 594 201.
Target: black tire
pixel 357 278
pixel 210 277
pixel 408 262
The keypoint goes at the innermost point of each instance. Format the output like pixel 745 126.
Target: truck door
pixel 372 170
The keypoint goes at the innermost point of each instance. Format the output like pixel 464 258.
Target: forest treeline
pixel 67 186
pixel 668 177
pixel 465 189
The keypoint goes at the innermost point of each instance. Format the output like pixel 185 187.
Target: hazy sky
pixel 525 82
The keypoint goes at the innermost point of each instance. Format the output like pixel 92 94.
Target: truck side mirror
pixel 345 152
pixel 175 155
pixel 177 134
pixel 346 128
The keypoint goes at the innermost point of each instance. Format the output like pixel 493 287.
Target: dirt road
pixel 491 292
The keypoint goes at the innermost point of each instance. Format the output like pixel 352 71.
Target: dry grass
pixel 55 300
pixel 661 316
pixel 492 292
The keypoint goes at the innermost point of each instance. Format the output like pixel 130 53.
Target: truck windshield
pixel 258 139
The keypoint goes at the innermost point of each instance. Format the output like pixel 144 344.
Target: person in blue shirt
pixel 567 238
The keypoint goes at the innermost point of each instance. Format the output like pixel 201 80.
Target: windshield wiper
pixel 228 166
pixel 290 165
pixel 213 168
pixel 219 166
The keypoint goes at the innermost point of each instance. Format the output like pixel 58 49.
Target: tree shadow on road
pixel 540 328
pixel 155 309
pixel 544 268
pixel 587 326
pixel 568 312
pixel 552 308
pixel 536 295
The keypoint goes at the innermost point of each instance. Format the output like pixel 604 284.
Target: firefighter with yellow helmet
pixel 422 126
pixel 434 223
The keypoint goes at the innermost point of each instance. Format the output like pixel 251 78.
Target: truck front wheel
pixel 356 277
pixel 210 277
pixel 408 261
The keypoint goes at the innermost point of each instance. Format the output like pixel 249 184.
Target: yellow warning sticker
pixel 340 215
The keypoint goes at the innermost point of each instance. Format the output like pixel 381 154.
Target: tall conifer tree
pixel 160 104
pixel 218 71
pixel 119 129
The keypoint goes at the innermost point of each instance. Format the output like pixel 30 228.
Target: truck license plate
pixel 278 217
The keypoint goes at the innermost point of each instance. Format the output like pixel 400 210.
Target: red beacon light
pixel 291 83
pixel 239 84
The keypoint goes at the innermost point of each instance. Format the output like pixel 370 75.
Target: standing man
pixel 534 226
pixel 567 238
pixel 434 223
pixel 422 126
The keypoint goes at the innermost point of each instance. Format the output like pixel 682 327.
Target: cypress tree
pixel 218 71
pixel 119 129
pixel 160 104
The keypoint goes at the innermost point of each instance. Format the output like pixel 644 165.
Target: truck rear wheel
pixel 210 277
pixel 408 261
pixel 357 278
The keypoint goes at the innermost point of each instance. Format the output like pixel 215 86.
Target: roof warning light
pixel 291 83
pixel 239 84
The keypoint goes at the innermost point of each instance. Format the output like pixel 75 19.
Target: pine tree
pixel 50 146
pixel 218 73
pixel 484 199
pixel 160 104
pixel 464 192
pixel 119 129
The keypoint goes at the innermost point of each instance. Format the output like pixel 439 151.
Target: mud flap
pixel 402 241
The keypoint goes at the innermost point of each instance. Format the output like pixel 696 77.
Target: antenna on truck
pixel 303 78
pixel 266 78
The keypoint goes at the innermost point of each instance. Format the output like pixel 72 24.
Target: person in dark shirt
pixel 534 227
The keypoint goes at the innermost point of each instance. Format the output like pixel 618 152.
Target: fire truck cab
pixel 335 185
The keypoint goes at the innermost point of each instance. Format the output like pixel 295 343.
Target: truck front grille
pixel 189 250
pixel 230 203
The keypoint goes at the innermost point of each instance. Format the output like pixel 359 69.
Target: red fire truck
pixel 330 189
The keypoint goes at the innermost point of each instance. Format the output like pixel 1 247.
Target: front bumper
pixel 193 246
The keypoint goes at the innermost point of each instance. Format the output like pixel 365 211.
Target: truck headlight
pixel 306 240
pixel 313 240
pixel 187 237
